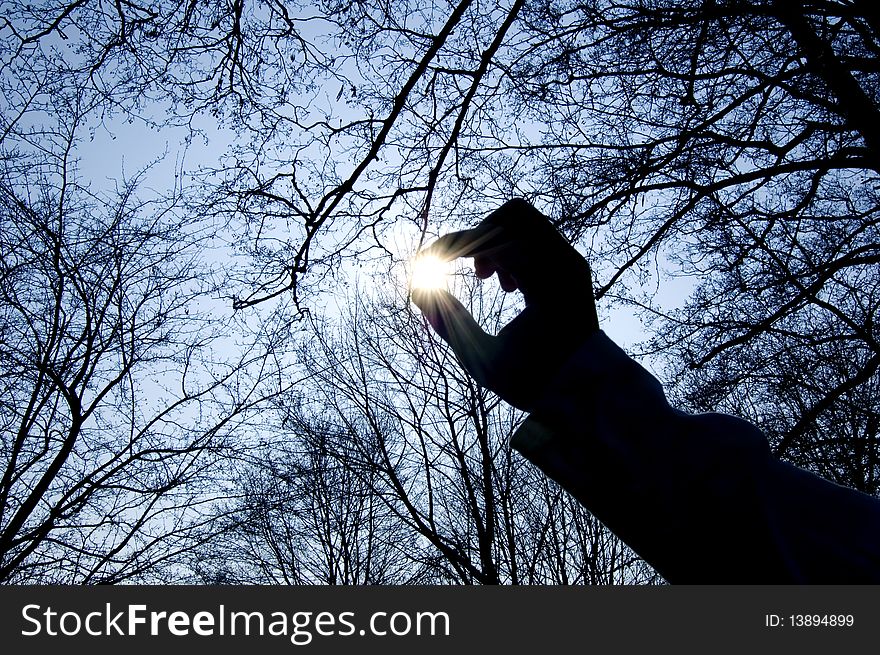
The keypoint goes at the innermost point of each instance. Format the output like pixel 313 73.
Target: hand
pixel 521 245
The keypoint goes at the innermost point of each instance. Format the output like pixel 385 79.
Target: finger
pixel 453 322
pixel 483 267
pixel 466 243
pixel 507 281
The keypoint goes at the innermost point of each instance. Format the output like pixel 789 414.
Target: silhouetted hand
pixel 521 245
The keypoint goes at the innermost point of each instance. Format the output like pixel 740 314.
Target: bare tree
pixel 732 144
pixel 300 516
pixel 393 462
pixel 120 393
pixel 745 159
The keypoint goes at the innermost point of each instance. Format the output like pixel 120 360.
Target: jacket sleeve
pixel 699 496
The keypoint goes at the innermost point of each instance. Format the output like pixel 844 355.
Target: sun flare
pixel 429 272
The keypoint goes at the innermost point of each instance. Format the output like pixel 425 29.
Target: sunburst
pixel 429 272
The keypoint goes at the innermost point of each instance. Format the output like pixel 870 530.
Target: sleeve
pixel 699 496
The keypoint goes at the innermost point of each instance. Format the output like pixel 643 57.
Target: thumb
pixel 475 348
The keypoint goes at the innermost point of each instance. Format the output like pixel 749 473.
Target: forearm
pixel 700 497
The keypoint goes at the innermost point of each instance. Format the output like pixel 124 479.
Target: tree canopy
pixel 716 161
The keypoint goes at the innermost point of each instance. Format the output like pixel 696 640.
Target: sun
pixel 429 272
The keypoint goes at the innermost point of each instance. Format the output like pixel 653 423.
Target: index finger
pixel 466 243
pixel 515 226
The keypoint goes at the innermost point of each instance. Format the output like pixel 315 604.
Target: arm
pixel 700 497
